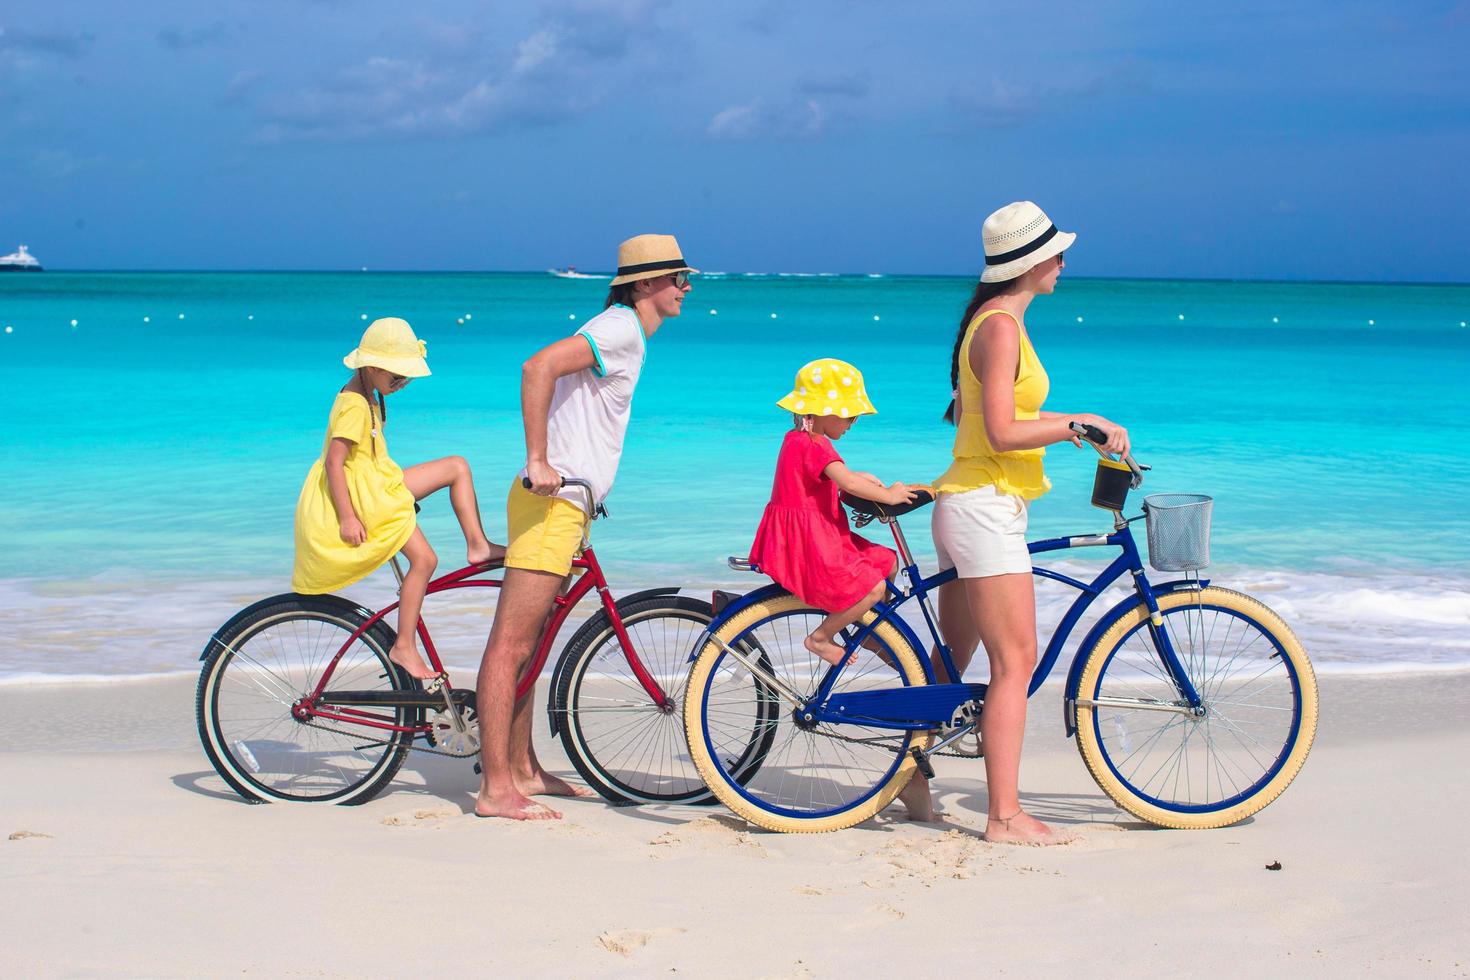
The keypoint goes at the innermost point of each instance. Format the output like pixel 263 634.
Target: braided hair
pixel 984 293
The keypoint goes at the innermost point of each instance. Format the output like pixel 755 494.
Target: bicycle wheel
pixel 811 777
pixel 627 748
pixel 1232 758
pixel 260 664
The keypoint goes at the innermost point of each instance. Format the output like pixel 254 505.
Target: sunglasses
pixel 681 279
pixel 397 380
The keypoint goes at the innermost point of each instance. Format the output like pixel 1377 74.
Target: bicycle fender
pixel 346 605
pixel 645 594
pixel 1123 608
pixel 733 609
pixel 921 649
pixel 595 623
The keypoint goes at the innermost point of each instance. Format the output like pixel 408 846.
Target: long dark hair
pixel 984 293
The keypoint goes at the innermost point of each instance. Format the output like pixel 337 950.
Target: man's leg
pixel 525 602
pixel 530 778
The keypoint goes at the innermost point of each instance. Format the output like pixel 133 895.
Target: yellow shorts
pixel 545 532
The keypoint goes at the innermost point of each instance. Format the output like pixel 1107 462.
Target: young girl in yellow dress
pixel 356 508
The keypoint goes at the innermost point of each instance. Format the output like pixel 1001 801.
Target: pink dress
pixel 804 541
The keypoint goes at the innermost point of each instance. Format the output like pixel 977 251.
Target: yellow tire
pixel 799 791
pixel 1200 770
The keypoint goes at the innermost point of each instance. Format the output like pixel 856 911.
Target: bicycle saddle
pixel 871 508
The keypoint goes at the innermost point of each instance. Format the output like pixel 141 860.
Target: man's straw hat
pixel 1017 238
pixel 389 344
pixel 649 256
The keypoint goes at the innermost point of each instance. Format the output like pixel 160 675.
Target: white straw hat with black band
pixel 1017 238
pixel 647 256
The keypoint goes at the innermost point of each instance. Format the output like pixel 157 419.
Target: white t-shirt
pixel 590 408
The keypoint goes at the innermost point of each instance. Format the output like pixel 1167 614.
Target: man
pixel 576 396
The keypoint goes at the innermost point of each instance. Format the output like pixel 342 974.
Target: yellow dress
pixel 976 463
pixel 324 562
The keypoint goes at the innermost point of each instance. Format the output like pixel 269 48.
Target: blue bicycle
pixel 1193 706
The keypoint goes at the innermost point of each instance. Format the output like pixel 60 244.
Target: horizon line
pixel 735 275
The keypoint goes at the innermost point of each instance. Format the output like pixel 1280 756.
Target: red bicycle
pixel 298 701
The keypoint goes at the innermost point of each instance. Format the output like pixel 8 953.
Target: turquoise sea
pixel 156 428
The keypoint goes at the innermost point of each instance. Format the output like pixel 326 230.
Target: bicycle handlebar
pixel 593 508
pixel 1096 437
pixel 565 481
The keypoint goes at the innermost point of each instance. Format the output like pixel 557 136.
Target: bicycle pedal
pixel 922 761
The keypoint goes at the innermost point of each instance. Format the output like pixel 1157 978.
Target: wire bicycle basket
pixel 1178 530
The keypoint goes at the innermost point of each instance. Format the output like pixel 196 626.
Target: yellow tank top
pixel 976 463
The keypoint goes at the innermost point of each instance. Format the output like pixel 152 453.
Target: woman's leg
pixel 421 564
pixel 1003 608
pixel 820 640
pixel 959 632
pixel 454 472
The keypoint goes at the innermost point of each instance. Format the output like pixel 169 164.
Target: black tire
pixel 626 748
pixel 268 656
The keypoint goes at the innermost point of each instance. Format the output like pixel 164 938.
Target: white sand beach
pixel 123 854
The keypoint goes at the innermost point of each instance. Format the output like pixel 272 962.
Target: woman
pixel 979 518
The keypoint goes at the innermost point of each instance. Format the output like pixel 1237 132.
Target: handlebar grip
pixel 1091 433
pixel 526 482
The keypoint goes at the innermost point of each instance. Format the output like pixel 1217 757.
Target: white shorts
pixel 981 532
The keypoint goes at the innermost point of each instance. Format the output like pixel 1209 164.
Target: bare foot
pixel 409 659
pixel 545 784
pixel 828 651
pixel 513 806
pixel 484 552
pixel 1022 828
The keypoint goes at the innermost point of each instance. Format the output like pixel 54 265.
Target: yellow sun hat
pixel 828 386
pixel 389 343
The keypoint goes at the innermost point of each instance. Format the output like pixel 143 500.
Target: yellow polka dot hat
pixel 828 386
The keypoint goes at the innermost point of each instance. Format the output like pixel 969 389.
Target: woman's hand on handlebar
pixel 1116 436
pixel 543 479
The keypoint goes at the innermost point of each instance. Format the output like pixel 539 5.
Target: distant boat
pixel 21 261
pixel 570 272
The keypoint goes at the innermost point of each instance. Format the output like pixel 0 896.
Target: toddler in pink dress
pixel 804 541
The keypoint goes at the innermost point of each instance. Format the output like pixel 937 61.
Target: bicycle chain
pixel 383 741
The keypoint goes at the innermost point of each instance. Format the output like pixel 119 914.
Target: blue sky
pixel 1307 140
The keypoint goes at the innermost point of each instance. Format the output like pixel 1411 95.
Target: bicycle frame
pixel 935 703
pixel 465 578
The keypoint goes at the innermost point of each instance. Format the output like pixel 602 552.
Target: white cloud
pixel 575 58
pixel 787 119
